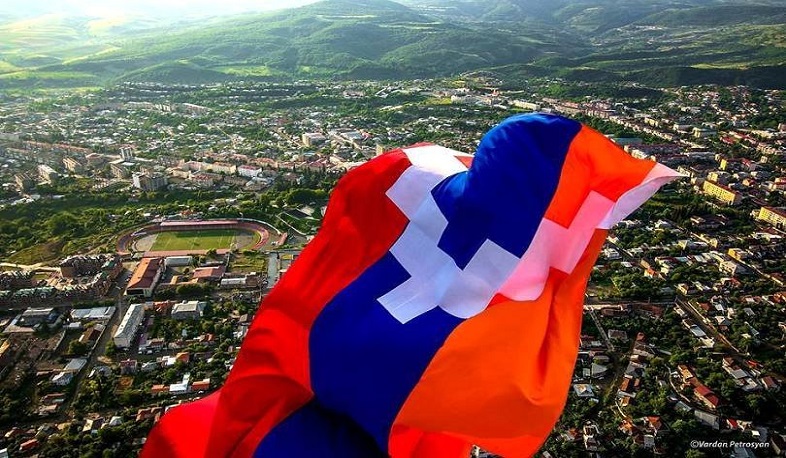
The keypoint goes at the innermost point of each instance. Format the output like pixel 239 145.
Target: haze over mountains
pixel 658 42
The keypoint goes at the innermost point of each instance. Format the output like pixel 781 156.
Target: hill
pixel 651 41
pixel 370 39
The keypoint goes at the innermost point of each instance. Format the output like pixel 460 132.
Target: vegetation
pixel 592 40
pixel 194 240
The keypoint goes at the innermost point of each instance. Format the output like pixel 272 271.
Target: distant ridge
pixel 658 42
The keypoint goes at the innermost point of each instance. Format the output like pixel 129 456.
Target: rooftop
pixel 145 273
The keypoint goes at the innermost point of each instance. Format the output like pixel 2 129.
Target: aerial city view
pixel 162 164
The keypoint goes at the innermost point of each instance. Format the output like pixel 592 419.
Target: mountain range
pixel 655 42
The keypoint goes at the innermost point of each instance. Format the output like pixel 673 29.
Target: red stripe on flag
pixel 270 378
pixel 360 226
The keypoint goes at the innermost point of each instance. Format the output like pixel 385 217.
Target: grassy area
pixel 43 252
pixel 194 240
pixel 5 67
pixel 44 75
pixel 246 70
pixel 250 261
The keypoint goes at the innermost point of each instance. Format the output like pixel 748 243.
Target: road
pixel 603 333
pixel 121 305
pixel 39 266
pixel 706 325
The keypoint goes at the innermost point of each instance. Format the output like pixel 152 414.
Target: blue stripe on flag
pixel 313 431
pixel 364 362
pixel 506 192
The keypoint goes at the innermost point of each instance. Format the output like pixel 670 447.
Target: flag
pixel 438 306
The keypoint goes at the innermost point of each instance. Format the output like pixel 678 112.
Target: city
pixel 142 223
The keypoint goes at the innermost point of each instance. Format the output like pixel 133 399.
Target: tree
pixel 62 223
pixel 77 348
pixel 111 348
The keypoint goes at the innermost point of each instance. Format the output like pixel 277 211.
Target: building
pixel 707 396
pixel 721 193
pixel 145 277
pixel 24 181
pixel 192 109
pixel 149 181
pixel 93 314
pixel 128 327
pixel 84 265
pixel 313 138
pixel 702 132
pixel 732 268
pixel 773 216
pixel 35 316
pixel 201 385
pixel 178 261
pixel 191 310
pixel 202 180
pixel 95 159
pixel 217 167
pixel 73 165
pixel 28 446
pixel 47 174
pixel 248 171
pixel 526 105
pixel 118 170
pixel 67 373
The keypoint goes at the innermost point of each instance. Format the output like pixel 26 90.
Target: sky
pixel 153 8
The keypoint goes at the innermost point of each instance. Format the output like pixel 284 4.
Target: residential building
pixel 24 181
pixel 203 180
pixel 248 171
pixel 130 324
pixel 721 193
pixel 773 216
pixel 191 310
pixel 118 170
pixel 149 181
pixel 707 396
pixel 47 174
pixel 313 138
pixel 701 132
pixel 73 165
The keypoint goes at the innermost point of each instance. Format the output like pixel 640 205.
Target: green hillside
pixel 660 42
pixel 375 38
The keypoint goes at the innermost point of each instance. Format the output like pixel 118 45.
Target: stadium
pixel 193 237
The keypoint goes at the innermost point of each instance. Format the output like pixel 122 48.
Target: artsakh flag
pixel 439 305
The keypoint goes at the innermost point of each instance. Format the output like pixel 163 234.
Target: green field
pixel 194 240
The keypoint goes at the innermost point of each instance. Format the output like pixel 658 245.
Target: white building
pixel 248 171
pixel 178 261
pixel 128 327
pixel 95 313
pixel 191 310
pixel 149 181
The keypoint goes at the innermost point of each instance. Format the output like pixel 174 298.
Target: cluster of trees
pixel 187 291
pixel 110 442
pixel 15 400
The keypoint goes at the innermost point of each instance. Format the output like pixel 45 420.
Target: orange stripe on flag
pixel 594 163
pixel 502 377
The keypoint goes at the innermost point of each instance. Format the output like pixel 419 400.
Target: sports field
pixel 195 240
